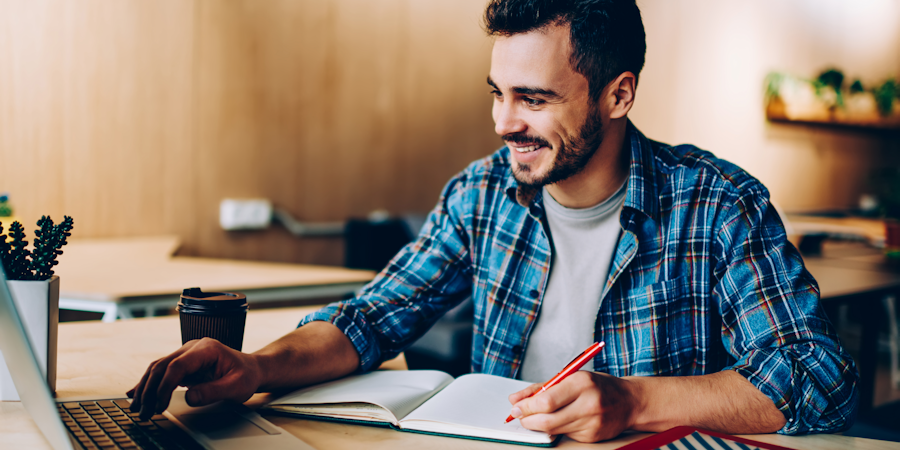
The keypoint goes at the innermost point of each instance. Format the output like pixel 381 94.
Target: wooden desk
pixel 119 276
pixel 105 359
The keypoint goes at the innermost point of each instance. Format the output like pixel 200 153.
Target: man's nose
pixel 507 120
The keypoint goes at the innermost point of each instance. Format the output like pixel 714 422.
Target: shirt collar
pixel 642 181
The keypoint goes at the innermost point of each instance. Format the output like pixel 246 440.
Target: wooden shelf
pixel 775 112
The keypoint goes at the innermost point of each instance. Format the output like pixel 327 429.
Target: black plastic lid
pixel 195 301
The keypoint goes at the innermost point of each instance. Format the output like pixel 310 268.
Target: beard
pixel 572 156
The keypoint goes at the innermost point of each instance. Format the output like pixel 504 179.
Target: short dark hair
pixel 607 36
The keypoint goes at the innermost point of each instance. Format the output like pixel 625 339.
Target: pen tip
pixel 509 419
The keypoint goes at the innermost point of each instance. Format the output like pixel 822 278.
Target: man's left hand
pixel 586 406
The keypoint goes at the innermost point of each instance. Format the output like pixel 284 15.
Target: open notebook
pixel 422 401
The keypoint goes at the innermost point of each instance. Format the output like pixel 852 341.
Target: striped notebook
pixel 690 438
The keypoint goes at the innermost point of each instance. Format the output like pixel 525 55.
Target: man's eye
pixel 496 93
pixel 533 101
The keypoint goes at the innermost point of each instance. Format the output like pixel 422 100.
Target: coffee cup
pixel 217 315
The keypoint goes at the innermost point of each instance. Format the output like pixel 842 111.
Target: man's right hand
pixel 315 352
pixel 211 370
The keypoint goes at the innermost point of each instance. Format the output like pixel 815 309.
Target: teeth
pixel 530 148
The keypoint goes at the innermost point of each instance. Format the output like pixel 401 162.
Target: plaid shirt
pixel 703 279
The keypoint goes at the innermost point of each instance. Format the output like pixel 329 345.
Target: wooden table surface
pixel 113 269
pixel 99 359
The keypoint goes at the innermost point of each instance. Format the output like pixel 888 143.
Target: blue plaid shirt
pixel 703 279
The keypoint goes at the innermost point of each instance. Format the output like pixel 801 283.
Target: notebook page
pixel 473 405
pixel 398 391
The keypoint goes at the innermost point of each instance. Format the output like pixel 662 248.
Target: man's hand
pixel 211 371
pixel 586 406
pixel 592 406
pixel 313 353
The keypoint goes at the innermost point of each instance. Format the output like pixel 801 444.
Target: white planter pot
pixel 38 305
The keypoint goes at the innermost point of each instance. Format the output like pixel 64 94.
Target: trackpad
pixel 221 425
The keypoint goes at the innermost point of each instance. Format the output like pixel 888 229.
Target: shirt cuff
pixel 789 387
pixel 353 324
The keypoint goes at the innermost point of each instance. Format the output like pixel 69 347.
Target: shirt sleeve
pixel 773 323
pixel 424 280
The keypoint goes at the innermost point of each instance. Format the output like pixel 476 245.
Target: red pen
pixel 570 368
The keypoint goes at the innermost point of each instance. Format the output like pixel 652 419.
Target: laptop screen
pixel 30 383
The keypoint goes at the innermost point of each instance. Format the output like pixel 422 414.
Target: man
pixel 581 230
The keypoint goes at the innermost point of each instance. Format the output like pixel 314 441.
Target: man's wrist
pixel 637 393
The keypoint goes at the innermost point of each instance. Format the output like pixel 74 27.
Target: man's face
pixel 541 106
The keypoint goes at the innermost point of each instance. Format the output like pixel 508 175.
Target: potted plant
pixel 35 291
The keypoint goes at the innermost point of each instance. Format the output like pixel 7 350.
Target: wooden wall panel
pixel 333 110
pixel 138 117
pixel 95 115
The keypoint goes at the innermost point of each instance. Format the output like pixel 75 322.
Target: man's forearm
pixel 315 352
pixel 723 401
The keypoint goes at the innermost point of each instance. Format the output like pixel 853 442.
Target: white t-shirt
pixel 584 241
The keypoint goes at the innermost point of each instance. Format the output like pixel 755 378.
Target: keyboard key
pixel 123 403
pixel 71 405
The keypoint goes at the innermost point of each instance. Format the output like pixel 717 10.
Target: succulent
pixel 21 264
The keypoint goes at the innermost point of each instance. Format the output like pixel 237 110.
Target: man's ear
pixel 619 95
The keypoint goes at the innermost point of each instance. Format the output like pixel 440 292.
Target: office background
pixel 138 117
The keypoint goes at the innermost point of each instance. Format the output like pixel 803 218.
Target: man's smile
pixel 526 149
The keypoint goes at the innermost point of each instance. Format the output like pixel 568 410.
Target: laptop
pixel 108 422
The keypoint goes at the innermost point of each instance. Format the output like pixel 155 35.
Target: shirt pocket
pixel 666 324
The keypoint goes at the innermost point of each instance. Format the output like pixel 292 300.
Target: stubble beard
pixel 572 156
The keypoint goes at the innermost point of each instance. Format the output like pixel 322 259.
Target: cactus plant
pixel 19 263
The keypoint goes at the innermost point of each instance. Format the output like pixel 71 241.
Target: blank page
pixel 476 405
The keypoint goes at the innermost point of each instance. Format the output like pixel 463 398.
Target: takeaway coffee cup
pixel 217 315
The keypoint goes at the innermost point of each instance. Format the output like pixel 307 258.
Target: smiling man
pixel 581 230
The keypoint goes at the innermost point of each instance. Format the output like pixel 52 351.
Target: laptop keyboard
pixel 110 424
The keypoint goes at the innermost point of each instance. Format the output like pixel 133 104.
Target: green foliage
pixel 20 263
pixel 17 267
pixel 833 78
pixel 5 208
pixel 884 97
pixel 857 87
pixel 5 248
